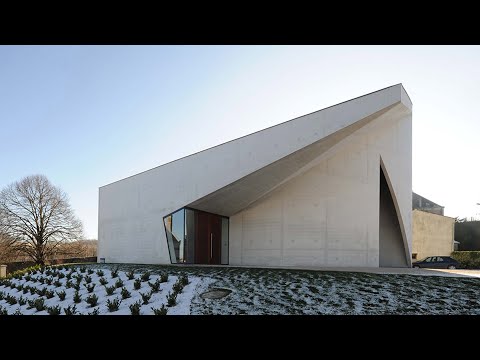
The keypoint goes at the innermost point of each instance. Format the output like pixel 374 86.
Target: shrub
pixel 76 286
pixel 22 301
pixel 57 283
pixel 54 310
pixel 130 275
pixel 114 273
pixel 113 305
pixel 119 283
pixel 70 310
pixel 137 284
pixel 42 291
pixel 90 271
pixel 146 297
pixel 83 269
pixel 155 286
pixel 49 294
pixel 26 288
pixel 31 304
pixel 172 299
pixel 161 311
pixel 100 273
pixel 92 300
pixel 94 312
pixel 68 284
pixel 19 288
pixel 77 298
pixel 2 295
pixel 184 280
pixel 61 275
pixel 79 278
pixel 468 259
pixel 68 276
pixel 12 285
pixel 48 272
pixel 60 268
pixel 146 276
pixel 90 287
pixel 61 295
pixel 125 293
pixel 27 277
pixel 41 280
pixel 88 279
pixel 49 281
pixel 12 300
pixel 3 311
pixel 33 290
pixel 103 281
pixel 39 304
pixel 135 308
pixel 17 312
pixel 178 286
pixel 163 277
pixel 110 290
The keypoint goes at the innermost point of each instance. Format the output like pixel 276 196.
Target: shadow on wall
pixel 392 252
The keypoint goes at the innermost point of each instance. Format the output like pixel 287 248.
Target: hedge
pixel 468 259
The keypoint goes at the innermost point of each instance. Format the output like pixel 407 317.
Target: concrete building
pixel 331 188
pixel 432 233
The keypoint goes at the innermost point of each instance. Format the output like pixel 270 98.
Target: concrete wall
pixel 328 215
pixel 131 211
pixel 432 234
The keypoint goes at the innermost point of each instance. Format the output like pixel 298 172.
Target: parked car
pixel 437 262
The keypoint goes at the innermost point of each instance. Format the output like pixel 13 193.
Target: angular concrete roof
pixel 227 178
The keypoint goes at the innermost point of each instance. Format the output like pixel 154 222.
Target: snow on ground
pixel 257 291
pixel 157 299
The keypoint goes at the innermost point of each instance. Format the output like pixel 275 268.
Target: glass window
pixel 429 259
pixel 190 236
pixel 178 234
pixel 224 250
pixel 185 227
pixel 439 259
pixel 175 231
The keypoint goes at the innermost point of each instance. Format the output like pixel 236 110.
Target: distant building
pixel 421 203
pixel 432 233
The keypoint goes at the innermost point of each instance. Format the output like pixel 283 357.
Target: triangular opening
pixel 391 248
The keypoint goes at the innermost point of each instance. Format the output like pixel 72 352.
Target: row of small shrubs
pixel 177 288
pixel 468 259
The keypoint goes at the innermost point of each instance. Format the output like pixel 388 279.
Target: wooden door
pixel 208 238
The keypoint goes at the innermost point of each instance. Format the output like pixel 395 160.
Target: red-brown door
pixel 208 233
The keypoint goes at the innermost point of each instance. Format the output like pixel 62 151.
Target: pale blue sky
pixel 86 116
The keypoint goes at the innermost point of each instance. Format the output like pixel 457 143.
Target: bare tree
pixel 38 216
pixel 8 251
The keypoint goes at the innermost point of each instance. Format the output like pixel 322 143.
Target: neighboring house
pixel 421 203
pixel 330 188
pixel 433 233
